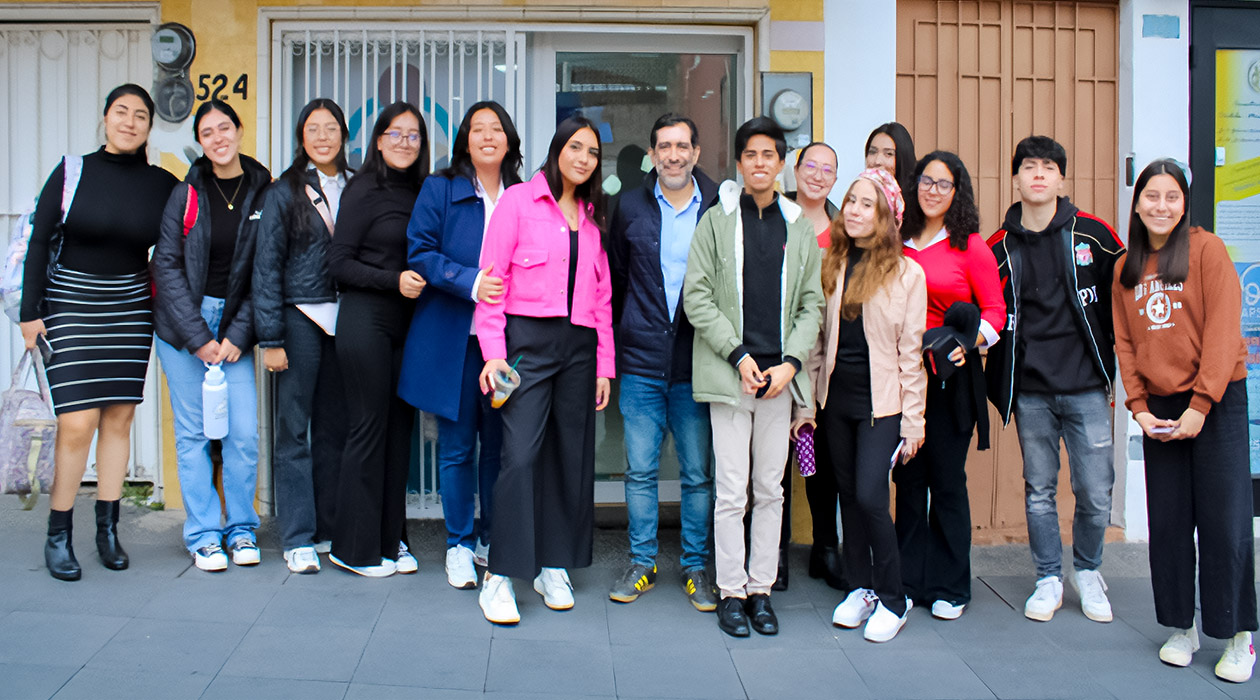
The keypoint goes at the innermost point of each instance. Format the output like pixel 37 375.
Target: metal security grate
pixel 442 72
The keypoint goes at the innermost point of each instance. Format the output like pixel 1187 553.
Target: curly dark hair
pixel 962 219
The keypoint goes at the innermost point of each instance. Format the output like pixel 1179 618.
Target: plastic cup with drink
pixel 504 384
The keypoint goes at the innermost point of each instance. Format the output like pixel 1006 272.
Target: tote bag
pixel 28 434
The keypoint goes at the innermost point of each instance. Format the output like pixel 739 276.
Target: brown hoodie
pixel 1172 338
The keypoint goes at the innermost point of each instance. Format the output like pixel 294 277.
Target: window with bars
pixel 442 72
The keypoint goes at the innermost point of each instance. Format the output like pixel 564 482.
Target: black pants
pixel 820 491
pixel 936 541
pixel 1203 483
pixel 544 500
pixel 860 451
pixel 309 397
pixel 372 493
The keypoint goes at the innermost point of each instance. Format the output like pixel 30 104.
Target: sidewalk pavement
pixel 163 629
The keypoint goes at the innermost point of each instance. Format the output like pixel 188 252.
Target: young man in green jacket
pixel 753 294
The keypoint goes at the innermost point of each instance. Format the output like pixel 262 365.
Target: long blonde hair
pixel 879 263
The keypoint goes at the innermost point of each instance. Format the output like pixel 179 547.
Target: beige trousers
pixel 749 440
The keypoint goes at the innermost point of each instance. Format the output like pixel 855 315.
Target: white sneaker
pixel 1045 600
pixel 1180 647
pixel 857 606
pixel 323 547
pixel 210 558
pixel 245 552
pixel 1237 661
pixel 460 572
pixel 554 586
pixel 385 568
pixel 1092 589
pixel 945 610
pixel 302 560
pixel 481 553
pixel 885 624
pixel 406 563
pixel 498 600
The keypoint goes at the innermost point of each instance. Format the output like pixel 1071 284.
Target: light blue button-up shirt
pixel 677 227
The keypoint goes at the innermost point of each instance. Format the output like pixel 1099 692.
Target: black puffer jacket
pixel 290 267
pixel 648 343
pixel 181 264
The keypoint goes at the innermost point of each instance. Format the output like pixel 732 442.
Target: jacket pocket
pixel 529 273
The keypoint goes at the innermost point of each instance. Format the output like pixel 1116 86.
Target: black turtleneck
pixel 765 235
pixel 114 219
pixel 369 248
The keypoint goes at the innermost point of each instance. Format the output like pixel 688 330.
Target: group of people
pixel 747 321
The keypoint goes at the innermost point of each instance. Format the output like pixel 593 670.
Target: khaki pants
pixel 749 439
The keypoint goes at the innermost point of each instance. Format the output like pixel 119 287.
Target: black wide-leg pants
pixel 544 500
pixel 371 508
pixel 1204 484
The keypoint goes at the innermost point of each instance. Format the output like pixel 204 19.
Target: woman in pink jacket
pixel 554 324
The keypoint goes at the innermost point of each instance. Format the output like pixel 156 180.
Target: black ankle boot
pixel 825 563
pixel 112 554
pixel 58 554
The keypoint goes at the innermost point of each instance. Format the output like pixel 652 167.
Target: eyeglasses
pixel 396 137
pixel 927 184
pixel 810 167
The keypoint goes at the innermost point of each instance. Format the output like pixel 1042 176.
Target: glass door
pixel 623 81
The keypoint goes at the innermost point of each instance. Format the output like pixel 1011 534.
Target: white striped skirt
pixel 100 328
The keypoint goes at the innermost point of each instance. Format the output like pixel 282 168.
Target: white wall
pixel 861 78
pixel 1154 123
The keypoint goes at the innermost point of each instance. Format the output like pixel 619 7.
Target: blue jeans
pixel 206 520
pixel 457 443
pixel 1083 421
pixel 648 406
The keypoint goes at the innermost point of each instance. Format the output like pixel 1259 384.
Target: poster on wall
pixel 1237 201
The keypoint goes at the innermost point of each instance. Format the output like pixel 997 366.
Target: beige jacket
pixel 894 320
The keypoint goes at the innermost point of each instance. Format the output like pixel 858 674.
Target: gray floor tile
pixel 1129 674
pixel 549 667
pixel 177 646
pixel 660 617
pixel 586 621
pixel 321 653
pixel 798 673
pixel 238 687
pixel 113 684
pixel 395 658
pixel 886 671
pixel 35 682
pixel 435 609
pixel 118 592
pixel 1031 672
pixel 800 626
pixel 54 639
pixel 350 606
pixel 209 600
pixel 676 671
pixel 367 691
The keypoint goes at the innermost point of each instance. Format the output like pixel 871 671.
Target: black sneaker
pixel 700 589
pixel 637 580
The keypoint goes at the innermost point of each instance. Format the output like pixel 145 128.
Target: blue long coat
pixel 444 246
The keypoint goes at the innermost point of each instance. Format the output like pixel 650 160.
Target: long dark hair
pixel 203 164
pixel 1173 260
pixel 905 153
pixel 961 219
pixel 590 192
pixel 461 161
pixel 374 163
pixel 295 175
pixel 132 89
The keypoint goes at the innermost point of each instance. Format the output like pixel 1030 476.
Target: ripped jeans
pixel 1084 422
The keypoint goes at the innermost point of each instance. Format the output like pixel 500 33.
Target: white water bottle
pixel 214 403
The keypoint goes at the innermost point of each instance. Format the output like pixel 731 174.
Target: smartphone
pixel 45 348
pixel 896 455
pixel 1162 429
pixel 761 391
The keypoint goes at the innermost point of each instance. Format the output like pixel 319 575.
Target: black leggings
pixel 860 453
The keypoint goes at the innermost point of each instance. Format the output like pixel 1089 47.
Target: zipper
pixel 1089 332
pixel 1010 391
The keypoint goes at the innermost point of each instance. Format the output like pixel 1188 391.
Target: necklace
pixel 235 192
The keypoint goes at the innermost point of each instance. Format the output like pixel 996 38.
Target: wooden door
pixel 975 77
